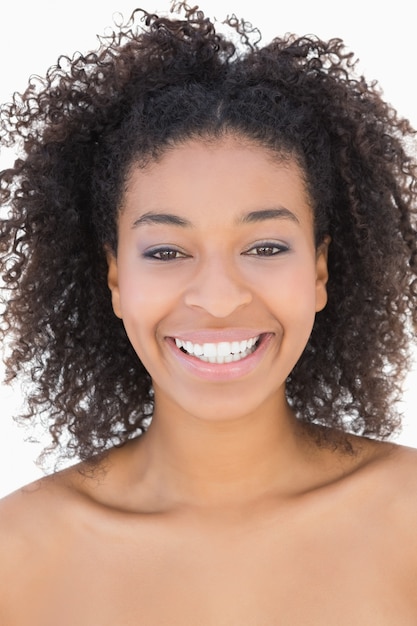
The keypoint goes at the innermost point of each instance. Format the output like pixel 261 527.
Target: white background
pixel 34 34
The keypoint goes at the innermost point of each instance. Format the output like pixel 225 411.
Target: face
pixel 217 278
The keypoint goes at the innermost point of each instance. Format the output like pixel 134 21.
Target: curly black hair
pixel 154 83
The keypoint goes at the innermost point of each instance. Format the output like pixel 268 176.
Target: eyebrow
pixel 249 218
pixel 268 214
pixel 161 218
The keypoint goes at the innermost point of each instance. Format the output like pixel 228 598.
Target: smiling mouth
pixel 221 352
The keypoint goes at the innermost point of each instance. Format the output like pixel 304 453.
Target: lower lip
pixel 220 372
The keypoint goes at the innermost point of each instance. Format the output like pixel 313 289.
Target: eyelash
pixel 164 254
pixel 274 249
pixel 264 249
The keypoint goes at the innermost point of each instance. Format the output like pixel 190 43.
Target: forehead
pixel 221 176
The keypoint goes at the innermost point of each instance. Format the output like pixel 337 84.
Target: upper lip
pixel 218 335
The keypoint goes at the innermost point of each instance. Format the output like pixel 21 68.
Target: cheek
pixel 144 305
pixel 294 301
pixel 292 285
pixel 141 292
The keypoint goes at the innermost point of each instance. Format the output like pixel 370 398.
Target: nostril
pixel 218 294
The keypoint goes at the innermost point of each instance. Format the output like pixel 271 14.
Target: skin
pixel 225 511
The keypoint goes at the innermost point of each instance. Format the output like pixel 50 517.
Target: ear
pixel 322 273
pixel 113 281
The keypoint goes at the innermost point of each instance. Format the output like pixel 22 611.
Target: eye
pixel 164 254
pixel 267 248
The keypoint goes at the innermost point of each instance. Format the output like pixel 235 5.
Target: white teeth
pixel 210 349
pixel 198 350
pixel 223 348
pixel 235 347
pixel 222 352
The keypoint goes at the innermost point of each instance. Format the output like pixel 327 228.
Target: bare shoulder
pixel 34 501
pixel 389 488
pixel 35 526
pixel 378 484
pixel 395 467
pixel 400 476
pixel 42 510
pixel 30 509
pixel 390 471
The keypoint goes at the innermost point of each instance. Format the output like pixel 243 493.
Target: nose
pixel 218 288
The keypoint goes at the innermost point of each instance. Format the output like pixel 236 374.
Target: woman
pixel 211 255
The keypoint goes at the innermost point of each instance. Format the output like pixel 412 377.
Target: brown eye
pixel 267 250
pixel 164 254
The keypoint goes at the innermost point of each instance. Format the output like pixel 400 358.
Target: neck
pixel 218 463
